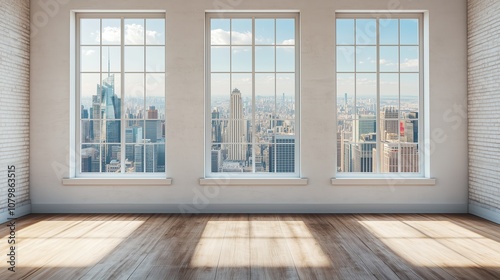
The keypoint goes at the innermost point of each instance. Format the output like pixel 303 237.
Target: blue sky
pixel 137 33
pixel 271 37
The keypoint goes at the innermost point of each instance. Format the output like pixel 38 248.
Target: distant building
pixel 282 154
pixel 236 130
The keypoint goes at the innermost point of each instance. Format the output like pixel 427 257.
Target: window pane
pixel 366 94
pixel 155 31
pixel 345 59
pixel 90 131
pixel 389 59
pixel 153 132
pixel 282 155
pixel 90 100
pixel 264 59
pixel 241 31
pixel 285 59
pixel 366 31
pixel 285 96
pixel 366 59
pixel 265 101
pixel 410 128
pixel 390 156
pixel 264 31
pixel 155 96
pixel 220 31
pixel 220 90
pixel 134 31
pixel 155 59
pixel 112 130
pixel 409 59
pixel 90 158
pixel 134 59
pixel 285 31
pixel 409 158
pixel 262 158
pixel 264 129
pixel 241 59
pixel 137 164
pixel 389 31
pixel 410 90
pixel 89 32
pixel 112 158
pixel 134 96
pixel 243 82
pixel 155 158
pixel 345 32
pixel 111 59
pixel 409 31
pixel 220 58
pixel 345 96
pixel 89 59
pixel 134 133
pixel 111 32
pixel 389 90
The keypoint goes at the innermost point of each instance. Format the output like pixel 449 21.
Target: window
pixel 121 94
pixel 252 93
pixel 379 94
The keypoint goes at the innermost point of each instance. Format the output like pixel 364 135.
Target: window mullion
pixel 378 145
pixel 122 99
pixel 253 145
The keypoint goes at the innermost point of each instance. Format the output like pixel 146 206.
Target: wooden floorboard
pixel 242 246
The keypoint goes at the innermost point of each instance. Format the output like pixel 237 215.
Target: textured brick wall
pixel 14 98
pixel 484 105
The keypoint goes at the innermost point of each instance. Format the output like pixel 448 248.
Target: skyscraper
pixel 216 127
pixel 390 120
pixel 236 130
pixel 282 154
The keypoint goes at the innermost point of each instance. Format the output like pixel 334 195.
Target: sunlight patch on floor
pixel 69 243
pixel 266 243
pixel 436 243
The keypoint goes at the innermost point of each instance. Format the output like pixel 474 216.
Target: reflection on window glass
pixel 122 95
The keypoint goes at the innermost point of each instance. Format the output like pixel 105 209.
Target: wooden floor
pixel 165 246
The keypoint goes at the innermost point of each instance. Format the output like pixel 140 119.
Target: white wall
pixel 50 117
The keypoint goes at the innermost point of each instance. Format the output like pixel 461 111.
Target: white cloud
pixel 134 34
pixel 410 64
pixel 88 52
pixel 111 35
pixel 288 42
pixel 222 37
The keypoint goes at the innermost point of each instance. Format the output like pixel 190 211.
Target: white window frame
pixel 103 178
pixel 230 177
pixel 402 178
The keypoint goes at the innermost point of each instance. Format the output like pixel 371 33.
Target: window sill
pixel 117 181
pixel 254 182
pixel 383 181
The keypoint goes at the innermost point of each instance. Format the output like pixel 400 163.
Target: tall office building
pixel 133 135
pixel 390 123
pixel 236 130
pixel 152 113
pixel 216 127
pixel 411 127
pixel 364 124
pixel 151 158
pixel 139 158
pixel 408 154
pixel 282 154
pixel 216 160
